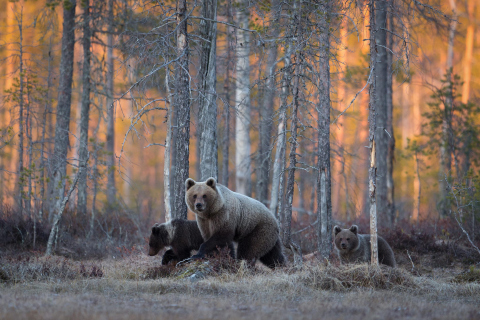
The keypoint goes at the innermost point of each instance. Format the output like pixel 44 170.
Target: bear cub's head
pixel 159 239
pixel 202 197
pixel 346 239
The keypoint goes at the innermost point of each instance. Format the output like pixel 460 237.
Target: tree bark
pixel 243 178
pixel 208 104
pixel 279 162
pixel 381 92
pixel 19 184
pixel 59 157
pixel 372 172
pixel 391 140
pixel 111 191
pixel 85 113
pixel 324 187
pixel 467 67
pixel 182 114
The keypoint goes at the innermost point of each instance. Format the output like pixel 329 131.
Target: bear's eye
pixel 194 196
pixel 348 239
pixel 204 196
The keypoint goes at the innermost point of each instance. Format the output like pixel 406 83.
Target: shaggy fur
pixel 182 236
pixel 224 216
pixel 353 247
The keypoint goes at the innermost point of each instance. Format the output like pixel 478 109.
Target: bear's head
pixel 159 239
pixel 203 198
pixel 346 239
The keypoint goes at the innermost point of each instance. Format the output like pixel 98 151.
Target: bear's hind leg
pixel 274 258
pixel 258 243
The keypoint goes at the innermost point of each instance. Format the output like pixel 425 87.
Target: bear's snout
pixel 343 245
pixel 199 206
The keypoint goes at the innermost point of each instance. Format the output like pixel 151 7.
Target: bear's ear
pixel 337 230
pixel 211 182
pixel 354 229
pixel 156 229
pixel 189 183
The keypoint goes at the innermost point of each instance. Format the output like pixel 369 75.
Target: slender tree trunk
pixel 467 67
pixel 324 187
pixel 279 162
pixel 381 92
pixel 266 120
pixel 182 113
pixel 59 157
pixel 227 104
pixel 208 104
pixel 416 211
pixel 243 178
pixel 110 111
pixel 372 172
pixel 339 168
pixel 19 183
pixel 391 139
pixel 85 113
pixel 46 111
pixel 166 161
pixel 95 176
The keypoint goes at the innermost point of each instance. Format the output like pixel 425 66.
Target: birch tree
pixel 208 106
pixel 243 178
pixel 58 159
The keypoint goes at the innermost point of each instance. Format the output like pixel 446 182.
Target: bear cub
pixel 182 236
pixel 353 247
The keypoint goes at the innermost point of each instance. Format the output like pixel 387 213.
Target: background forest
pixel 115 103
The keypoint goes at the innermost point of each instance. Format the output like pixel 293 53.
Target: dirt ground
pixel 316 292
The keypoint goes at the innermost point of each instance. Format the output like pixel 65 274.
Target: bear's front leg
pixel 220 240
pixel 168 256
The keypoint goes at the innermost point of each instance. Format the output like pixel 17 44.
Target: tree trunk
pixel 372 172
pixel 243 178
pixel 182 113
pixel 467 67
pixel 324 187
pixel 85 114
pixel 339 169
pixel 19 184
pixel 59 157
pixel 279 162
pixel 168 147
pixel 208 105
pixel 227 104
pixel 391 140
pixel 381 92
pixel 110 111
pixel 266 122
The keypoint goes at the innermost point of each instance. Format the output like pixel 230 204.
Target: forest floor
pixel 134 287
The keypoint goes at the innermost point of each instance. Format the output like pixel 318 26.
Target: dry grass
pixel 126 291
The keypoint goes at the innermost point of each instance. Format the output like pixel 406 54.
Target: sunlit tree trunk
pixel 85 113
pixel 181 105
pixel 467 66
pixel 208 105
pixel 110 111
pixel 324 202
pixel 243 178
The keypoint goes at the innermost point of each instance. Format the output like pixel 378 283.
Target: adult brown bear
pixel 224 216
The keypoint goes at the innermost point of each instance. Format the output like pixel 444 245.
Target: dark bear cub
pixel 353 247
pixel 182 236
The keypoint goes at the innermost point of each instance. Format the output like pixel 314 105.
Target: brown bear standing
pixel 224 216
pixel 353 247
pixel 182 236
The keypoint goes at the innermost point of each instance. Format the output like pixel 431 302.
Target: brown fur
pixel 353 247
pixel 224 216
pixel 182 236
